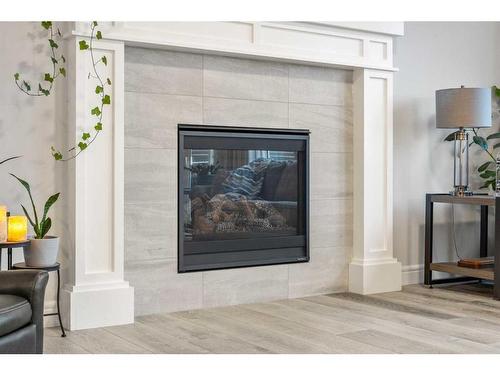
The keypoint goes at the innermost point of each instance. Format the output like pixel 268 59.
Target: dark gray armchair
pixel 22 294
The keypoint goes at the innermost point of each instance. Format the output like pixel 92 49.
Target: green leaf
pixel 8 159
pixel 59 32
pixel 106 99
pixel 493 136
pixel 27 86
pixel 43 91
pixel 488 183
pixel 108 81
pixel 28 216
pixel 483 167
pixel 46 24
pixel 94 23
pixel 82 146
pixel 450 137
pixel 496 90
pixel 28 189
pixel 83 45
pixel 98 35
pixel 98 89
pixel 480 141
pixel 85 136
pixel 95 111
pixel 45 227
pixel 16 76
pixel 98 126
pixel 54 61
pixel 48 78
pixel 56 154
pixel 53 44
pixel 63 58
pixel 104 60
pixel 487 174
pixel 62 71
pixel 52 199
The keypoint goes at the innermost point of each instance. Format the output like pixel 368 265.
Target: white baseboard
pixel 93 306
pixel 370 277
pixel 413 274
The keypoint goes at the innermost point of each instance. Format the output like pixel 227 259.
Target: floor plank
pixel 445 319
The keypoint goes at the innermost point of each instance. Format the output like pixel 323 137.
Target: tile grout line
pixel 202 88
pixel 288 71
pixel 241 99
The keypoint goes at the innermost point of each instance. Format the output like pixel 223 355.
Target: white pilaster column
pixel 96 293
pixel 373 268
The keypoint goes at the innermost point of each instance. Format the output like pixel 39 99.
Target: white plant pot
pixel 42 253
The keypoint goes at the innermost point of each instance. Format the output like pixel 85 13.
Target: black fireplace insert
pixel 243 197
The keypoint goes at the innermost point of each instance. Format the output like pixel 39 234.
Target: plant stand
pixel 56 267
pixel 9 246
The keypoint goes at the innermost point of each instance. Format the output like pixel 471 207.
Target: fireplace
pixel 243 197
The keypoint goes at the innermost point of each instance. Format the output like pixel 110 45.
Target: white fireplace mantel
pixel 96 293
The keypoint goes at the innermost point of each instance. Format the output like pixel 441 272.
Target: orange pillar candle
pixel 3 223
pixel 17 230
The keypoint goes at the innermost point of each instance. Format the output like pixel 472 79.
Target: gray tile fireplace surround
pixel 164 88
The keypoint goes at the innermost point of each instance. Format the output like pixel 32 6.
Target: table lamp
pixel 462 108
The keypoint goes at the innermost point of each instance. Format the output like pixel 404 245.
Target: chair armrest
pixel 24 283
pixel 29 284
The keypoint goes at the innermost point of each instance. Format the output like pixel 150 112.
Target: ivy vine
pixel 57 61
pixel 101 90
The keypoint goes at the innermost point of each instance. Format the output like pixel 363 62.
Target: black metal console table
pixel 466 274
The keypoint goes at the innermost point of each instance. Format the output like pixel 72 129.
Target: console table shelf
pixel 485 201
pixel 486 273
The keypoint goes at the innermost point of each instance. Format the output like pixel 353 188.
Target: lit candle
pixel 3 223
pixel 17 230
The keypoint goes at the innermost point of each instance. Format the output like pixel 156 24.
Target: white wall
pixel 432 56
pixel 28 127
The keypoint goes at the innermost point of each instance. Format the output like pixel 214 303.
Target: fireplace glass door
pixel 242 197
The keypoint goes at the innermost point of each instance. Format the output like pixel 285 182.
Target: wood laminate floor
pixel 456 319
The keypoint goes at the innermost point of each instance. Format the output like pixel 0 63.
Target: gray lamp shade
pixel 463 108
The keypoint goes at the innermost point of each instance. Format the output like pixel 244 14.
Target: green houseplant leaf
pixel 42 227
pixel 52 199
pixel 8 159
pixel 28 189
pixel 480 141
pixel 450 137
pixel 483 167
pixel 46 225
pixel 493 136
pixel 35 228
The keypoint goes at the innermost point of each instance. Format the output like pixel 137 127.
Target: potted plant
pixel 43 249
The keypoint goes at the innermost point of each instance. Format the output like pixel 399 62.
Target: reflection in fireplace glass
pixel 232 194
pixel 243 197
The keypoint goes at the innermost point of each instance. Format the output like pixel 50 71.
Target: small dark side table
pixel 56 267
pixel 465 274
pixel 9 246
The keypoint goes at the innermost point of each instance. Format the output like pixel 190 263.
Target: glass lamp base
pixel 461 191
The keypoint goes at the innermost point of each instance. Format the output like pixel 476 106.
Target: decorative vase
pixel 42 252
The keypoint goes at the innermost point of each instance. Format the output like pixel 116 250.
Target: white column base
pixel 370 277
pixel 94 306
